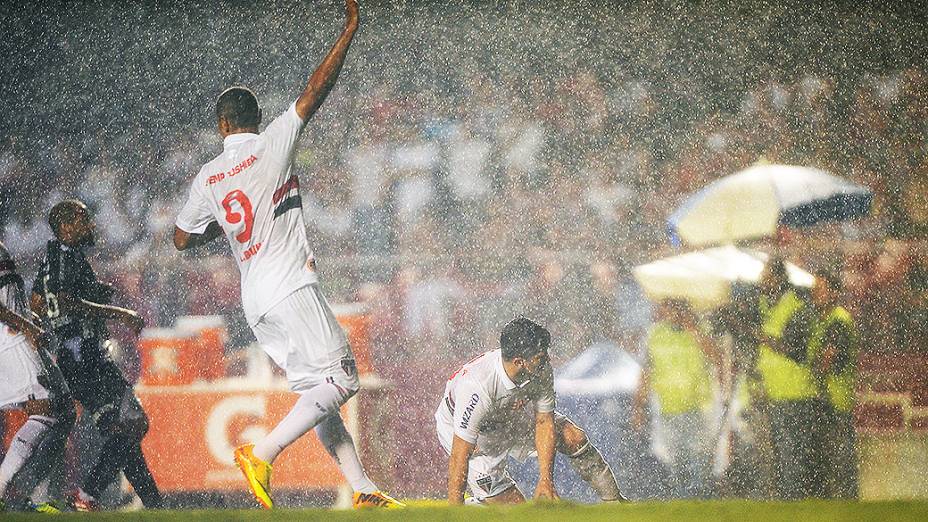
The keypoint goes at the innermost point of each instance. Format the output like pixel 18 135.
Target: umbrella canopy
pixel 704 277
pixel 750 204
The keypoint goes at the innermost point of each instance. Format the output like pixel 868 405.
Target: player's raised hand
pixel 134 321
pixel 351 10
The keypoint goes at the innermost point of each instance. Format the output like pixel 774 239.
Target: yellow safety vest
pixel 679 373
pixel 840 386
pixel 782 378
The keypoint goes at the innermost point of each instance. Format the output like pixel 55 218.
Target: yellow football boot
pixel 375 499
pixel 257 473
pixel 47 508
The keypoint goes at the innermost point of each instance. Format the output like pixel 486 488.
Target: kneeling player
pixel 29 381
pixel 484 418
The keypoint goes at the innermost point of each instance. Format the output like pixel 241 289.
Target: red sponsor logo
pixel 236 170
pixel 252 250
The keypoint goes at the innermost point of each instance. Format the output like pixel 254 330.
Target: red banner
pixel 194 431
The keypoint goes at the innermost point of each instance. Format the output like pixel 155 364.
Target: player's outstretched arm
pixel 184 240
pixel 70 305
pixel 323 78
pixel 19 323
pixel 545 440
pixel 461 451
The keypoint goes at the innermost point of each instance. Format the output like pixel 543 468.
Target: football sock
pixel 112 458
pixel 338 443
pixel 47 454
pixel 588 462
pixel 313 405
pixel 25 443
pixel 139 475
pixel 124 454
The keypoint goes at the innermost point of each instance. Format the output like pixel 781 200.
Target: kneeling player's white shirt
pixel 481 402
pixel 251 191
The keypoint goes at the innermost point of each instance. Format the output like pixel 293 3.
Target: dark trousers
pixel 797 441
pixel 841 461
pixel 106 396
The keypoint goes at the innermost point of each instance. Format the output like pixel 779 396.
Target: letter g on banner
pixel 220 442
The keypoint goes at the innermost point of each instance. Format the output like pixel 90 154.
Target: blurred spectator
pixel 795 410
pixel 833 348
pixel 678 372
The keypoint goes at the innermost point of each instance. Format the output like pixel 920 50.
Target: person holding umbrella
pixel 833 346
pixel 794 407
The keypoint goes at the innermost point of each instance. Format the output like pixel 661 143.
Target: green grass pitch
pixel 734 510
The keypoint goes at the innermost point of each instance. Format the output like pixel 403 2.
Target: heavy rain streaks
pixel 477 161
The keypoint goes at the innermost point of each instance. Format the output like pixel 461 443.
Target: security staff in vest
pixel 788 389
pixel 677 372
pixel 833 347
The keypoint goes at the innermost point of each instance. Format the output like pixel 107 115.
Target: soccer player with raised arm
pixel 250 194
pixel 501 405
pixel 30 381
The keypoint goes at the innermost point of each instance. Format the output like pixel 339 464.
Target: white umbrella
pixel 750 204
pixel 704 278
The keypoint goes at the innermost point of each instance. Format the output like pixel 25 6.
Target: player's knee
pixel 571 438
pixel 135 427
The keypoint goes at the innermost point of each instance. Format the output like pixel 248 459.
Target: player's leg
pixel 310 409
pixel 489 481
pixel 586 460
pixel 303 336
pixel 40 440
pixel 122 452
pixel 139 475
pixel 134 421
pixel 338 442
pixel 32 450
pixel 122 422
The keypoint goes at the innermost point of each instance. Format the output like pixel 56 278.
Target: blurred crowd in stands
pixel 447 188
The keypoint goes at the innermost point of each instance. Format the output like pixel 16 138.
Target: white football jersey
pixel 12 297
pixel 480 398
pixel 251 191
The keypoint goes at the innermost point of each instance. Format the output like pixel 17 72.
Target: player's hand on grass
pixel 545 491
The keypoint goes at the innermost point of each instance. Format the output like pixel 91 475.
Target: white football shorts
pixel 21 376
pixel 487 473
pixel 302 336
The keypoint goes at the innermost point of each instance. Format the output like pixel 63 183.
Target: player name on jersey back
pixel 216 178
pixel 251 191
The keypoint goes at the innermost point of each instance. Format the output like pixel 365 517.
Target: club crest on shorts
pixel 349 366
pixel 485 482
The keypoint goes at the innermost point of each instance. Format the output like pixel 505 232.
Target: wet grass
pixel 734 510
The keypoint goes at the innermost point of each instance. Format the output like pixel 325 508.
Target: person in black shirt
pixel 76 306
